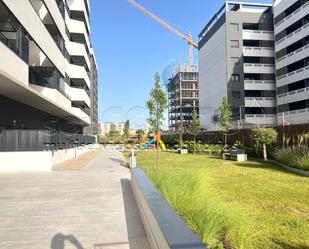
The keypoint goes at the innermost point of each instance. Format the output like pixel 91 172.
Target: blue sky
pixel 130 47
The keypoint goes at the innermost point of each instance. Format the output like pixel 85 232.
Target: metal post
pixel 132 161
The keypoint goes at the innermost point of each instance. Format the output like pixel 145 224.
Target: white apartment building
pixel 291 19
pixel 236 60
pixel 106 127
pixel 48 78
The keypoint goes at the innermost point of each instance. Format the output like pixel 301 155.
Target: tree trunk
pixel 265 152
pixel 225 139
pixel 194 144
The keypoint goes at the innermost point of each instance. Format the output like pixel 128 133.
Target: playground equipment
pixel 153 140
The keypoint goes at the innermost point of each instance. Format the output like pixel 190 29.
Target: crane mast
pixel 189 40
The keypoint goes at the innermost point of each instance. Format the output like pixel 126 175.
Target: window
pixel 234 44
pixel 235 60
pixel 236 94
pixel 235 78
pixel 251 26
pixel 234 27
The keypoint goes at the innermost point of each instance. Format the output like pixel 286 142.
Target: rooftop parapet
pixel 230 6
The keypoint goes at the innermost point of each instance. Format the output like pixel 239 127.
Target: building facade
pixel 291 19
pixel 48 75
pixel 107 127
pixel 236 60
pixel 182 96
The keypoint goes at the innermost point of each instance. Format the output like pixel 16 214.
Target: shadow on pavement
pixel 121 162
pixel 58 241
pixel 136 233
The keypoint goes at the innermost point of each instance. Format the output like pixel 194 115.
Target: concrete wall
pixel 164 228
pixel 212 76
pixel 38 160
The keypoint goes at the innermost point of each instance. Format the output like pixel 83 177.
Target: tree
pixel 225 117
pixel 195 127
pixel 156 104
pixel 140 134
pixel 113 134
pixel 264 137
pixel 126 129
pixel 181 131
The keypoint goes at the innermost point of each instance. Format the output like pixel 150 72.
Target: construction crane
pixel 169 27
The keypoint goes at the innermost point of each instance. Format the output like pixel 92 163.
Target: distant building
pixel 182 96
pixel 106 127
pixel 236 60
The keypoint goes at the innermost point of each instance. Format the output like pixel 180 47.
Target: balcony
pixel 294 96
pixel 79 95
pixel 78 27
pixel 259 51
pixel 295 76
pixel 294 117
pixel 260 101
pixel 78 72
pixel 10 62
pixel 259 68
pixel 261 119
pixel 295 56
pixel 78 49
pixel 81 8
pixel 295 16
pixel 268 85
pixel 293 37
pixel 263 35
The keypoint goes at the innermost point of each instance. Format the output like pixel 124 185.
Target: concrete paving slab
pixel 90 208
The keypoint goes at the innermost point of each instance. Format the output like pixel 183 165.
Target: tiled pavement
pixel 92 208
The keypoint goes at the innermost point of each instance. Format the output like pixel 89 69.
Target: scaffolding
pixel 182 96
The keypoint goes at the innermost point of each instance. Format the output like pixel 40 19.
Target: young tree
pixel 195 127
pixel 225 117
pixel 180 131
pixel 140 133
pixel 156 104
pixel 126 129
pixel 264 137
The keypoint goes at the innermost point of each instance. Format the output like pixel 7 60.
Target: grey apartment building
pixel 48 72
pixel 182 96
pixel 237 60
pixel 291 20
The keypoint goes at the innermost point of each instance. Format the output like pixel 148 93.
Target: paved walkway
pixel 93 208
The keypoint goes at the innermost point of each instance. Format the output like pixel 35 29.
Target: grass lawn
pixel 234 205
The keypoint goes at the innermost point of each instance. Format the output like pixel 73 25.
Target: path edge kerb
pixel 164 227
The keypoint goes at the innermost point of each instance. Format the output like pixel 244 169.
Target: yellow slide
pixel 162 145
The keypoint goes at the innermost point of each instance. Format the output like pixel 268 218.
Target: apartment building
pixel 291 20
pixel 182 96
pixel 236 60
pixel 48 73
pixel 106 127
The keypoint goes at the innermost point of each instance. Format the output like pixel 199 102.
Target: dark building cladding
pixel 18 116
pixel 93 128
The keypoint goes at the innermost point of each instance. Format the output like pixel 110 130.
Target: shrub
pixel 296 157
pixel 264 137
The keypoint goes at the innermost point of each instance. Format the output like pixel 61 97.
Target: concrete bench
pixel 238 155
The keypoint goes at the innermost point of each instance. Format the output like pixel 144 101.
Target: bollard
pixel 132 161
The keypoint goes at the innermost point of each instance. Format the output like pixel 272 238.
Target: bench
pixel 238 155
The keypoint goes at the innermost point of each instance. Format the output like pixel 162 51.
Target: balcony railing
pixel 47 77
pixel 302 90
pixel 293 73
pixel 20 46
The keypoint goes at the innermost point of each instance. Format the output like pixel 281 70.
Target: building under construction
pixel 182 96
